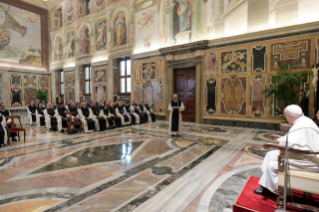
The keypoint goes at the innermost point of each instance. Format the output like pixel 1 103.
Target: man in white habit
pixel 175 118
pixel 303 135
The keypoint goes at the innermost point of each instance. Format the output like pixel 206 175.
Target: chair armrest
pixel 273 136
pixel 271 145
pixel 276 146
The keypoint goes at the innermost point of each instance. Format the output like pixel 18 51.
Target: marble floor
pixel 136 168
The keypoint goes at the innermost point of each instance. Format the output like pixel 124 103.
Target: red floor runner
pixel 249 201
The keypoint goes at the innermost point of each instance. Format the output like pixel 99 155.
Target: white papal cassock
pixel 303 135
pixel 175 117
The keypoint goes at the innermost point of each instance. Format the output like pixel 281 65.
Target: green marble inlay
pixel 92 155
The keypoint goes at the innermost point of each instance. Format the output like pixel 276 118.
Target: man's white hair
pixel 294 110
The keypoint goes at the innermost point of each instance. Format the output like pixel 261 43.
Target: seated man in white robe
pixel 5 113
pixel 87 119
pixel 303 135
pixel 3 131
pixel 149 112
pixel 50 118
pixel 32 108
pixel 134 112
pixel 176 107
pixel 121 113
pixel 127 110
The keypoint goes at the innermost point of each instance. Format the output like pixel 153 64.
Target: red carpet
pixel 249 201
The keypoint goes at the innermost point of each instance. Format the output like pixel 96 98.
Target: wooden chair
pixel 299 180
pixel 71 122
pixel 15 129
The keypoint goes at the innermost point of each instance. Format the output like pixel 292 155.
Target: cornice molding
pixel 38 3
pixel 264 35
pixel 184 47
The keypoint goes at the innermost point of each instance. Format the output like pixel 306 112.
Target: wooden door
pixel 185 87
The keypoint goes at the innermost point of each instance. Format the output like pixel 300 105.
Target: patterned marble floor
pixel 137 168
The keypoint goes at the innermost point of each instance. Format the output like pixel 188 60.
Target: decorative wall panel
pixel 100 35
pixel 69 79
pixel 258 61
pixel 211 95
pixel 137 91
pixel 28 96
pixel 234 61
pixel 161 69
pixel 99 75
pixel 149 84
pixel 21 85
pixel 211 64
pixel 136 70
pixel 70 94
pixel 15 97
pixel 295 54
pixel 317 50
pixel 100 93
pixel 30 81
pixel 16 80
pixel 2 90
pixel 233 95
pixel 257 103
pixel 160 96
pixel 44 81
pixel 148 71
pixel 99 80
pixel 149 93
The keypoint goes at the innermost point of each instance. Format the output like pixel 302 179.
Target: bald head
pixel 293 112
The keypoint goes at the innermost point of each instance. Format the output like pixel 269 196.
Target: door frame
pixel 171 66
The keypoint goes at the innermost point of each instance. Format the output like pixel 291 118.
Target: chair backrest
pixel 12 120
pixel 69 116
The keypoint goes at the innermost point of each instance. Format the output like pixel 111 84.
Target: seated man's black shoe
pixel 14 139
pixel 263 191
pixel 173 135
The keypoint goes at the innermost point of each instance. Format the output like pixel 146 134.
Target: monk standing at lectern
pixel 303 135
pixel 175 118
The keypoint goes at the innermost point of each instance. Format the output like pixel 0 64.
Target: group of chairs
pixel 19 128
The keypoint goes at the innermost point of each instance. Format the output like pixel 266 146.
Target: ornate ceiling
pixel 44 4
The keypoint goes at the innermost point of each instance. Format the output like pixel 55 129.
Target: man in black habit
pixel 32 108
pixel 41 117
pixel 138 112
pixel 304 103
pixel 86 115
pixel 143 111
pixel 5 113
pixel 96 113
pixel 117 119
pixel 74 109
pixel 149 111
pixel 51 121
pixel 62 117
pixel 105 113
pixel 175 118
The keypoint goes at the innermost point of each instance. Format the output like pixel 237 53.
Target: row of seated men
pixel 94 117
